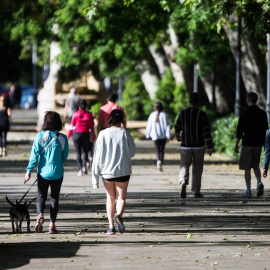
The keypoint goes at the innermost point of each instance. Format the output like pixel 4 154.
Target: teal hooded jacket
pixel 50 162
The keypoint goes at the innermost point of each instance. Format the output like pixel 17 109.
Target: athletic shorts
pixel 118 179
pixel 250 157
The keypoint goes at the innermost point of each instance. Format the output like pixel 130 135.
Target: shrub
pixel 136 101
pixel 165 95
pixel 224 135
pixel 181 98
pixel 95 109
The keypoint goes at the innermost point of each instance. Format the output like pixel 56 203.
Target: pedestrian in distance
pixel 49 152
pixel 105 111
pixel 158 129
pixel 72 104
pixel 82 124
pixel 15 96
pixel 251 128
pixel 195 131
pixel 114 149
pixel 266 154
pixel 91 143
pixel 5 114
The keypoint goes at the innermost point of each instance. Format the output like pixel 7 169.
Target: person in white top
pixel 114 149
pixel 158 128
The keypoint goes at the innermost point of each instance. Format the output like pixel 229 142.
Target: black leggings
pixel 3 138
pixel 43 186
pixel 160 146
pixel 81 144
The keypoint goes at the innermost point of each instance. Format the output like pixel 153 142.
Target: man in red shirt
pixel 105 111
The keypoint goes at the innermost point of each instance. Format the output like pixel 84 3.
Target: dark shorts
pixel 250 157
pixel 118 179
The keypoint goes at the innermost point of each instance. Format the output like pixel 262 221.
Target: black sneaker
pixel 260 189
pixel 111 231
pixel 183 193
pixel 120 225
pixel 198 195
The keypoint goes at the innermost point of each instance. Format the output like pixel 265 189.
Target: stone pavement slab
pixel 220 231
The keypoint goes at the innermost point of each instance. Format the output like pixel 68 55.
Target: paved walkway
pixel 220 231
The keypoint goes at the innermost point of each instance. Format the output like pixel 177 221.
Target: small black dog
pixel 19 212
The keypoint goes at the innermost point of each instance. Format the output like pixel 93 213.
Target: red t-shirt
pixel 105 111
pixel 82 122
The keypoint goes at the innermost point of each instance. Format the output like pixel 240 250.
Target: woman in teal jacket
pixel 49 152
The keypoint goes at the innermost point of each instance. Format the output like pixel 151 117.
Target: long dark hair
pixel 3 102
pixel 52 120
pixel 158 106
pixel 83 104
pixel 116 117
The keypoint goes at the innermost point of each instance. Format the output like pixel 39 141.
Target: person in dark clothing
pixel 15 96
pixel 266 153
pixel 5 114
pixel 251 128
pixel 195 128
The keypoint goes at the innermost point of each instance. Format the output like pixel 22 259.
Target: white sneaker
pixel 79 173
pixel 159 165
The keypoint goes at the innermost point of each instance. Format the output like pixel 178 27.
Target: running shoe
pixel 247 194
pixel 159 165
pixel 198 195
pixel 53 230
pixel 111 231
pixel 120 226
pixel 183 193
pixel 260 189
pixel 39 226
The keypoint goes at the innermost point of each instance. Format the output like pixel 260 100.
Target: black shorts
pixel 118 179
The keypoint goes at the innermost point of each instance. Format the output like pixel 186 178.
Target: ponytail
pixel 158 106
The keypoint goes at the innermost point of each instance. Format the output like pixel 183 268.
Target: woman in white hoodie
pixel 158 129
pixel 112 161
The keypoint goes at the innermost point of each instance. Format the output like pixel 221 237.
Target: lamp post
pixel 34 63
pixel 238 71
pixel 195 79
pixel 213 80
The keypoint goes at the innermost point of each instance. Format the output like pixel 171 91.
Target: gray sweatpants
pixel 196 158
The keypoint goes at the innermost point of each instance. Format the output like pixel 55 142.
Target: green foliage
pixel 174 98
pixel 165 94
pixel 224 135
pixel 95 109
pixel 181 98
pixel 136 101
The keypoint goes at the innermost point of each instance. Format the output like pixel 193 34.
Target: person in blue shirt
pixel 49 152
pixel 266 154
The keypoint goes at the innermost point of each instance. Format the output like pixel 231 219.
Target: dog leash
pixel 27 191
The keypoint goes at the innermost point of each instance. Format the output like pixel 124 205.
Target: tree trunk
pixel 181 75
pixel 224 101
pixel 253 67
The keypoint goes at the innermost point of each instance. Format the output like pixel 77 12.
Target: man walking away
pixel 195 128
pixel 251 128
pixel 72 104
pixel 105 111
